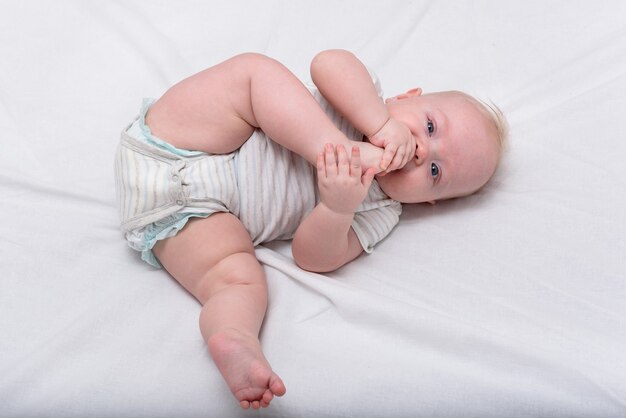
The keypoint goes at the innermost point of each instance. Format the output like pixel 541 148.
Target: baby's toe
pixel 267 397
pixel 277 386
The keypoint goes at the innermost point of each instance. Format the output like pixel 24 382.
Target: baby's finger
pixel 355 162
pixel 410 152
pixel 343 165
pixel 368 177
pixel 390 152
pixel 397 161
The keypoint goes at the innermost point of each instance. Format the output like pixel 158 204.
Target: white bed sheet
pixel 508 303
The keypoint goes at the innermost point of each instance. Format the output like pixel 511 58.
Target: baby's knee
pixel 253 58
pixel 238 269
pixel 258 62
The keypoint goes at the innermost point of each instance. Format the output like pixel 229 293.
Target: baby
pixel 242 153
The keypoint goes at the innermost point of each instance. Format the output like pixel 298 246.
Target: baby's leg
pixel 217 109
pixel 214 260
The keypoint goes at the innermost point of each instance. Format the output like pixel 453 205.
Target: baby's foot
pixel 371 155
pixel 245 369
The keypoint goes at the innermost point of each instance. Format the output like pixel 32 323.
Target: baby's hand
pixel 399 144
pixel 342 184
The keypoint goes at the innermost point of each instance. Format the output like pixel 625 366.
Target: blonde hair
pixel 499 120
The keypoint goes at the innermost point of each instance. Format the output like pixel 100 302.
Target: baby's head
pixel 459 144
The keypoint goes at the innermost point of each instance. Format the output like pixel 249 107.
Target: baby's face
pixel 457 150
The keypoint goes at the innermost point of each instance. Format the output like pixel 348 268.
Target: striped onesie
pixel 269 188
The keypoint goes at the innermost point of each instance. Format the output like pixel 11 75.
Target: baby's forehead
pixel 457 99
pixel 473 122
pixel 456 104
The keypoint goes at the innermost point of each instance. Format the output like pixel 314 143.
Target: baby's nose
pixel 421 151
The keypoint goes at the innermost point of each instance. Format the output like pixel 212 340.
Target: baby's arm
pixel 325 240
pixel 345 82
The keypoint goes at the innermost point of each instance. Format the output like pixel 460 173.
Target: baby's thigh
pixel 202 244
pixel 204 111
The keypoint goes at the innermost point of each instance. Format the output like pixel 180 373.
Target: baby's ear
pixel 410 93
pixel 417 91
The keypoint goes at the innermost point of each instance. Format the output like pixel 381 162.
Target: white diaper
pixel 159 187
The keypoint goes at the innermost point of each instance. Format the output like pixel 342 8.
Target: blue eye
pixel 434 170
pixel 431 127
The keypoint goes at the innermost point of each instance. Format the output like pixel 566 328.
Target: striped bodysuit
pixel 269 188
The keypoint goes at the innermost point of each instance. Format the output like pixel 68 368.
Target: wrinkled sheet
pixel 506 303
